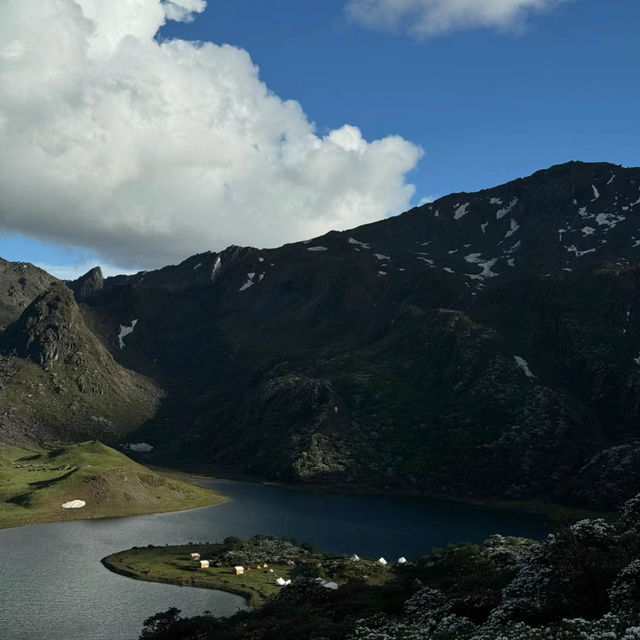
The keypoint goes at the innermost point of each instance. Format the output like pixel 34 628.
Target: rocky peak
pixel 20 283
pixel 85 285
pixel 49 331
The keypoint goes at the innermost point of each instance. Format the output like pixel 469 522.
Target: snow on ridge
pixel 501 213
pixel 461 211
pixel 364 245
pixel 318 248
pixel 596 193
pixel 524 366
pixel 125 331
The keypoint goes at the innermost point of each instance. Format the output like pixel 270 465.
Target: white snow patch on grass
pixel 74 504
pixel 125 331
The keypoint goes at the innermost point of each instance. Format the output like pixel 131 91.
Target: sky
pixel 134 134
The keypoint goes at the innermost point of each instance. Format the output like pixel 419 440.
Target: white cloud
pixel 148 152
pixel 423 18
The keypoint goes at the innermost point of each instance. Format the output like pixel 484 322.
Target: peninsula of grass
pixel 34 484
pixel 257 583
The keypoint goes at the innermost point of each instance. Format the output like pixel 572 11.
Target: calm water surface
pixel 53 587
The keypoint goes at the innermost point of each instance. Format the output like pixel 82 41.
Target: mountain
pixel 58 383
pixel 20 283
pixel 484 344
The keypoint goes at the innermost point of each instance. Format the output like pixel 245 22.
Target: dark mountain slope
pixel 486 343
pixel 57 381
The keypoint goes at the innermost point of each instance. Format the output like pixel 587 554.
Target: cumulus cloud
pixel 424 18
pixel 148 152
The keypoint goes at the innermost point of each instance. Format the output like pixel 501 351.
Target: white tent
pixel 382 561
pixel 74 504
pixel 330 585
pixel 402 560
pixel 355 558
pixel 281 582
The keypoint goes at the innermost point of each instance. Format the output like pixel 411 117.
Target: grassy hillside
pixel 35 484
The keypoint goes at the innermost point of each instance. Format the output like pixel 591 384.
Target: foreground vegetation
pixel 580 583
pixel 34 484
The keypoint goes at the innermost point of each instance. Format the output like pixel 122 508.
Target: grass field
pixel 174 565
pixel 35 483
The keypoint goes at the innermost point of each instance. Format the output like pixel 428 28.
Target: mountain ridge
pixel 482 344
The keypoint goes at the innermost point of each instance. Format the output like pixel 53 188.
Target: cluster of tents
pixel 381 560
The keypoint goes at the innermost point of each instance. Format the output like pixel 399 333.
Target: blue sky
pixel 485 104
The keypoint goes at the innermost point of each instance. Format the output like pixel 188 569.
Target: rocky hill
pixel 484 344
pixel 58 383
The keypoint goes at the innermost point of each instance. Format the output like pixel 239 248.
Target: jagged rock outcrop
pixel 20 283
pixel 59 383
pixel 87 284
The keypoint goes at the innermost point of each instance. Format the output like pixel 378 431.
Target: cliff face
pixel 483 344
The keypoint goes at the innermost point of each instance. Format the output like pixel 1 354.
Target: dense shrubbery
pixel 580 583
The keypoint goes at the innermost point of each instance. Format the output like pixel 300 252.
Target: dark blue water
pixel 53 587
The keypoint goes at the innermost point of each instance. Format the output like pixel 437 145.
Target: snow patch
pixel 484 226
pixel 448 270
pixel 197 266
pixel 524 366
pixel 514 227
pixel 611 179
pixel 486 270
pixel 574 249
pixel 587 231
pixel 249 283
pixel 364 245
pixel 495 201
pixel 125 331
pixel 318 248
pixel 596 193
pixel 501 213
pixel 461 211
pixel 609 219
pixel 380 256
pixel 74 504
pixel 216 268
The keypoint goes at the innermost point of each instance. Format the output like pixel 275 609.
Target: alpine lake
pixel 53 586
